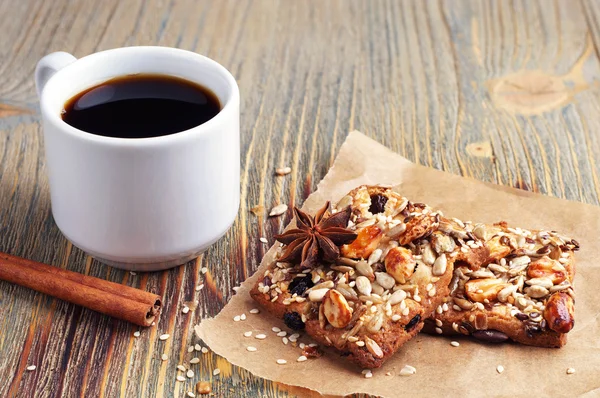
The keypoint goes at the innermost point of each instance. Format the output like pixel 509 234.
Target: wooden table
pixel 502 91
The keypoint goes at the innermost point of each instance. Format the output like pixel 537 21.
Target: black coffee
pixel 141 106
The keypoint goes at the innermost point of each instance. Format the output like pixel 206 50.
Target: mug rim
pixel 203 128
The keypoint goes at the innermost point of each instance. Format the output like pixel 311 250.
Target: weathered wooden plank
pixel 439 82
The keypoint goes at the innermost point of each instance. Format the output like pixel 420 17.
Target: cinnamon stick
pixel 113 299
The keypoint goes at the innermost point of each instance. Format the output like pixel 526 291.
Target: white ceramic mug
pixel 149 203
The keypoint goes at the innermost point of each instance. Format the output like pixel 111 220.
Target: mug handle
pixel 48 66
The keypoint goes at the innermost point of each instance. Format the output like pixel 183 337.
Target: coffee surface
pixel 141 106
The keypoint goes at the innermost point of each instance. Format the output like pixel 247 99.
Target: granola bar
pixel 524 292
pixel 363 276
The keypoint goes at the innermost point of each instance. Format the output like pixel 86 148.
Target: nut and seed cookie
pixel 363 276
pixel 524 292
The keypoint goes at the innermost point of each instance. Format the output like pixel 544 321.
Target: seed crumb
pixel 368 374
pixel 204 350
pixel 388 374
pixel 283 171
pixel 251 349
pixel 181 367
pixel 263 240
pixel 570 371
pixel 278 210
pixel 132 273
pixel 281 361
pixel 136 334
pixel 164 357
pixel 190 374
pixel 454 343
pixel 243 317
pixel 254 311
pixel 191 394
pixel 261 336
pixel 194 360
pixel 200 287
pixel 204 270
pixel 500 369
pixel 247 334
pixel 185 309
pixel 31 367
pixel 216 371
pixel 153 323
pixel 163 337
pixel 408 370
pixel 203 387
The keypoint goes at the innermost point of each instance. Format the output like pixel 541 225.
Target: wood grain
pixel 440 82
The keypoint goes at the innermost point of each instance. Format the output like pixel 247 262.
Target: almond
pixel 400 264
pixel 373 347
pixel 367 241
pixel 480 289
pixel 545 267
pixel 336 309
pixel 559 312
pixel 418 227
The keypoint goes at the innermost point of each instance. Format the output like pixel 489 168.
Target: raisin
pixel 412 323
pixel 293 320
pixel 378 203
pixel 300 285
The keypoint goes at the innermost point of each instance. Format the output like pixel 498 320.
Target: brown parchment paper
pixel 442 370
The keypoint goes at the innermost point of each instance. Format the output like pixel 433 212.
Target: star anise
pixel 316 238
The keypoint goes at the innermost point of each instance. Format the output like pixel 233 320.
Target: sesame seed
pixel 261 336
pixel 368 375
pixel 405 311
pixel 445 307
pixel 185 309
pixel 204 270
pixel 133 273
pixel 163 337
pixel 570 371
pixel 153 323
pixel 180 378
pixel 301 358
pixel 181 367
pixel 248 334
pixel 313 345
pixel 283 333
pixel 204 350
pixel 395 318
pixel 199 287
pixel 302 345
pixel 294 336
pixel 278 210
pixel 190 374
pixel 243 317
pixel 197 347
pixel 254 311
pixel 164 357
pixel 250 348
pixel 281 361
pixel 360 343
pixel 194 360
pixel 285 340
pixel 438 322
pixel 236 318
pixel 499 368
pixel 191 348
pixel 216 371
pixel 438 330
pixel 276 329
pixel 31 367
pixel 264 240
pixel 191 394
pixel 136 334
pixel 454 343
pixel 365 371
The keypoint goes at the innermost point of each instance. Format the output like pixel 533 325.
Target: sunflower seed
pixel 397 297
pixel 439 266
pixel 278 210
pixel 385 280
pixel 373 347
